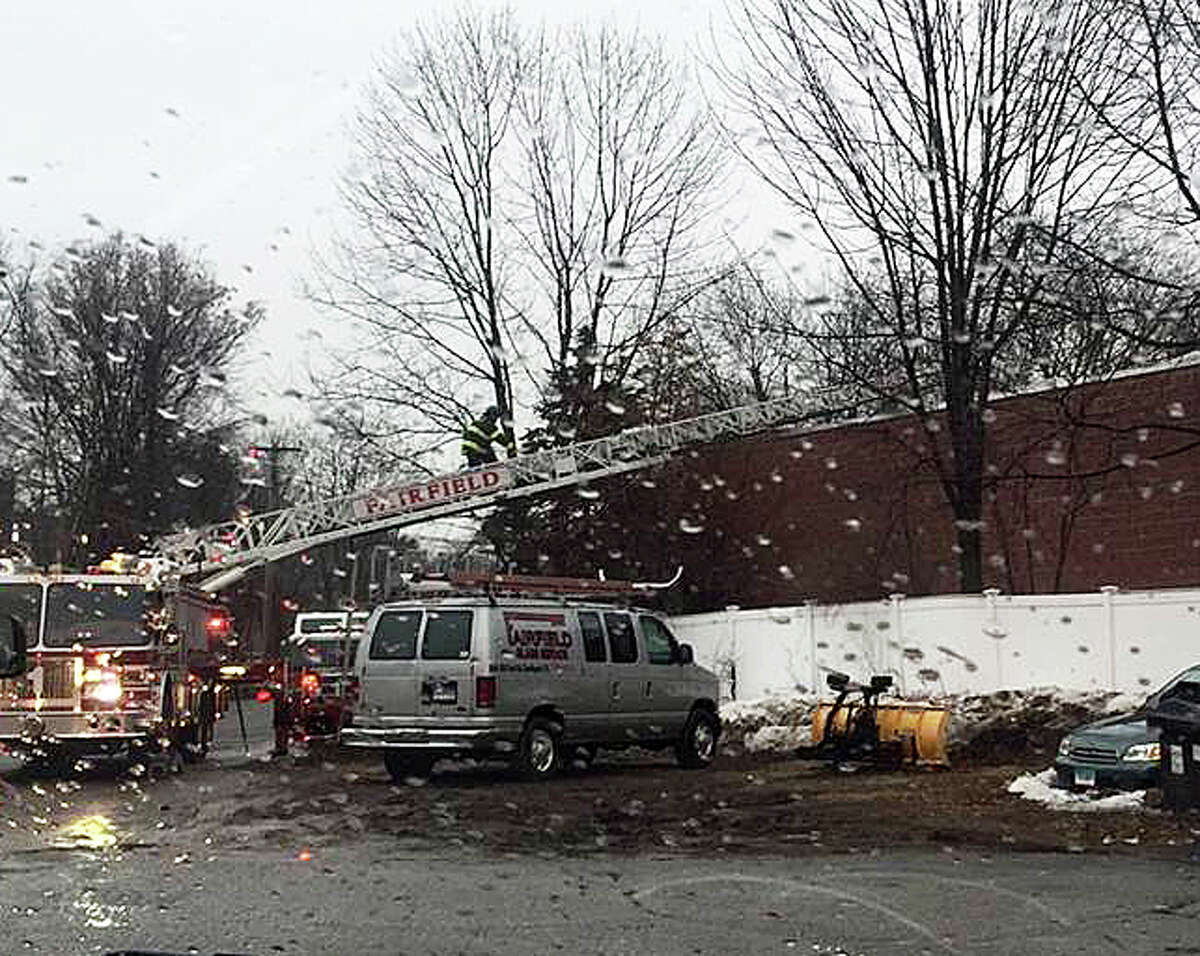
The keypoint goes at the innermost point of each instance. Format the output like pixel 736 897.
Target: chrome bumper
pixel 481 734
pixel 28 726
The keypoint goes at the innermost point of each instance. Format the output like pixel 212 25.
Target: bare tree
pixel 618 169
pixel 942 151
pixel 526 199
pixel 427 272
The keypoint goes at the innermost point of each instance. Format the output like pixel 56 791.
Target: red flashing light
pixel 217 623
pixel 485 691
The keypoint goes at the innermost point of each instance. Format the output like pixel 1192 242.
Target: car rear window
pixel 447 636
pixel 395 637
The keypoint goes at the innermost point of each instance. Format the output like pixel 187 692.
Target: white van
pixel 534 680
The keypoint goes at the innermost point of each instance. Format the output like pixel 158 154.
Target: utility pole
pixel 270 606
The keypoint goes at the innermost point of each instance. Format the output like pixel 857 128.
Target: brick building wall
pixel 1099 485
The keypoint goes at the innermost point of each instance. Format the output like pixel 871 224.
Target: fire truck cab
pixel 111 667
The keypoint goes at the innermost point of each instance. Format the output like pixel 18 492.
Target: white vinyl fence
pixel 1126 641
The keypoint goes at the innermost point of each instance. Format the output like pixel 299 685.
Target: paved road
pixel 373 897
pixel 114 862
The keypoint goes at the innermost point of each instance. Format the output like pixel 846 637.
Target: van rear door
pixel 447 669
pixel 388 676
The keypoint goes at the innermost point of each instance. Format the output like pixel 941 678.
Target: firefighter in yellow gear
pixel 482 436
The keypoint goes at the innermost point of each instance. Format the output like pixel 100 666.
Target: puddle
pixel 92 832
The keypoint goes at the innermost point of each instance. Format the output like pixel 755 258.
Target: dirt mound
pixel 1012 725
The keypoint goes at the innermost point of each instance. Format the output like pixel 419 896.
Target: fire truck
pixel 115 667
pixel 318 671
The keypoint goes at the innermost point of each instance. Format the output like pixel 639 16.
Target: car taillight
pixel 262 695
pixel 485 691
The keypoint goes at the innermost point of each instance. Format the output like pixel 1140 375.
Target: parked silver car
pixel 531 680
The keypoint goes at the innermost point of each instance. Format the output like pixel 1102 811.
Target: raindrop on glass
pixel 190 481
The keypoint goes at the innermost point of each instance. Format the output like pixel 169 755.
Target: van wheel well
pixel 548 711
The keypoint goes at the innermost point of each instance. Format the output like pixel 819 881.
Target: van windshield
pixel 321 625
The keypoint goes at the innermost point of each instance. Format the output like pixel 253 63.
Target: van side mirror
pixel 12 649
pixel 683 654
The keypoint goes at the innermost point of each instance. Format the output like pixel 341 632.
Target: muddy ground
pixel 645 804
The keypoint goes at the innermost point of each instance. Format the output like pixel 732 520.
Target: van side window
pixel 395 637
pixel 660 644
pixel 447 636
pixel 622 645
pixel 593 636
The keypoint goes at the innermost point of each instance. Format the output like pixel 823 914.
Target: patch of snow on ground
pixel 768 724
pixel 1039 788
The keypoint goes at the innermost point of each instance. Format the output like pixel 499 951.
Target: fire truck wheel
pixel 698 744
pixel 405 764
pixel 540 751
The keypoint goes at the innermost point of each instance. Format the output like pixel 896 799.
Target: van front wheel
pixel 698 744
pixel 541 746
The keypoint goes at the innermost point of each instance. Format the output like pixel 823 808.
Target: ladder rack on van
pixel 531 585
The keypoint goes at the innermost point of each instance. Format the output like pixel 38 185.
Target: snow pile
pixel 1040 788
pixel 768 724
pixel 1008 725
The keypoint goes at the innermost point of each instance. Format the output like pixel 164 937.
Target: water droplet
pixel 190 480
pixel 831 463
pixel 854 524
pixel 110 319
pixel 589 494
pixel 615 407
pixel 1056 456
pixel 764 540
pixel 690 527
pixel 174 311
pixel 1175 410
pixel 117 358
pixel 168 414
pixel 1129 460
pixel 787 573
pixel 929 675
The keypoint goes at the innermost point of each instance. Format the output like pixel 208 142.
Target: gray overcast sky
pixel 221 124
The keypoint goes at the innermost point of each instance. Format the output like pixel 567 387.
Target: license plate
pixel 445 692
pixel 1085 778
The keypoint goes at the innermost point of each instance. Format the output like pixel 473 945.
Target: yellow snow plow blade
pixel 920 728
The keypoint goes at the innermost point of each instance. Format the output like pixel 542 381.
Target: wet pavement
pixel 323 853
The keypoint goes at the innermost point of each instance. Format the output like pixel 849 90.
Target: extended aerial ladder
pixel 224 552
